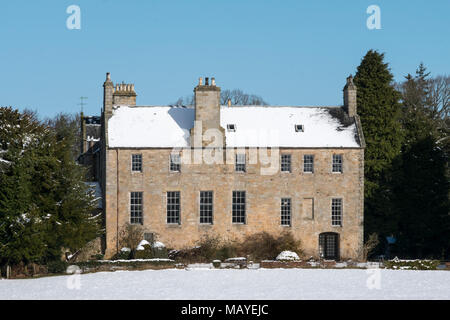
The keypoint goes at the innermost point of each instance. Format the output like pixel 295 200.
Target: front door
pixel 329 246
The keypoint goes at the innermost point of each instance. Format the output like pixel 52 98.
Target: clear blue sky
pixel 290 52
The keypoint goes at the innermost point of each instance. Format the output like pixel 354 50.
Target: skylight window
pixel 231 127
pixel 299 128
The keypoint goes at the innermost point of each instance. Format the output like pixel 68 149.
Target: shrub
pixel 287 256
pixel 122 255
pixel 160 253
pixel 151 252
pixel 227 250
pixel 369 246
pixel 411 264
pixel 131 235
pixel 208 247
pixel 98 256
pixel 57 266
pixel 264 246
pixel 147 253
pixel 258 247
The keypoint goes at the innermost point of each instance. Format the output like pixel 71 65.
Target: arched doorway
pixel 329 245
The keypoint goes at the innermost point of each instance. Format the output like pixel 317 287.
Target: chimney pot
pixel 229 102
pixel 206 81
pixel 213 81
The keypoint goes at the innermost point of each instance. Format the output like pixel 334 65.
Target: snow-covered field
pixel 231 284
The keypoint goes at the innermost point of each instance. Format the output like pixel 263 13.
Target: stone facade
pixel 311 193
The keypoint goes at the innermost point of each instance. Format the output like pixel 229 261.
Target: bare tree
pixel 369 245
pixel 131 235
pixel 236 96
pixel 439 97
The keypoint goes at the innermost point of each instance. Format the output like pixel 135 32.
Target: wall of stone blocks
pixel 264 193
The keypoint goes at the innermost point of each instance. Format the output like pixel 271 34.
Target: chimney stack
pixel 108 91
pixel 207 107
pixel 350 97
pixel 124 94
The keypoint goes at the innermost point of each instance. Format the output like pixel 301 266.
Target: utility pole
pixel 82 103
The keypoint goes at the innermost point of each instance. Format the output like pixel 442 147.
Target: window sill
pixel 173 225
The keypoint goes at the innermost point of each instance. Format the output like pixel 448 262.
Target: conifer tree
pixel 21 223
pixel 45 206
pixel 422 184
pixel 379 110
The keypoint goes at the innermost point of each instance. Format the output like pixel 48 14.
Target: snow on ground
pixel 278 284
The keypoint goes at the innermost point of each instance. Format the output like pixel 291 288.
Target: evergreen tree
pixel 21 223
pixel 422 184
pixel 379 110
pixel 70 201
pixel 44 205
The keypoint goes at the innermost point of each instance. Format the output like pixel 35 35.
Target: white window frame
pixel 312 163
pixel 240 213
pixel 133 163
pixel 289 163
pixel 137 207
pixel 286 212
pixel 240 163
pixel 175 218
pixel 211 205
pixel 336 220
pixel 173 164
pixel 340 164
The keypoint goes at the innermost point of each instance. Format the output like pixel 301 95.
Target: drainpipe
pixel 117 200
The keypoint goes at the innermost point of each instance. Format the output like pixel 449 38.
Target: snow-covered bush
pixel 159 250
pixel 147 250
pixel 144 251
pixel 141 245
pixel 398 264
pixel 123 254
pixel 287 256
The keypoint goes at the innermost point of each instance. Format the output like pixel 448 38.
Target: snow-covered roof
pixel 256 126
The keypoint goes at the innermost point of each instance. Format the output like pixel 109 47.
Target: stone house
pixel 186 171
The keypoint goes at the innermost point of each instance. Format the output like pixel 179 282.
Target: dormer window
pixel 231 127
pixel 299 128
